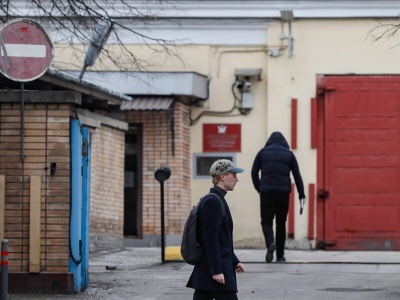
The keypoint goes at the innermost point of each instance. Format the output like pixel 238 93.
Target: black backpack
pixel 190 248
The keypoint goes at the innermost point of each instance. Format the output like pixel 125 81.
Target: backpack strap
pixel 223 210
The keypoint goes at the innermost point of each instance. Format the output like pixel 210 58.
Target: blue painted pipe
pixel 75 255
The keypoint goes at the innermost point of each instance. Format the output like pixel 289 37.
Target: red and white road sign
pixel 26 51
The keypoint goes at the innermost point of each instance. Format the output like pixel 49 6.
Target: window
pixel 202 163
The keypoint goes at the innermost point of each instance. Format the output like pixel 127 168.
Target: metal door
pixel 80 204
pixel 133 182
pixel 359 162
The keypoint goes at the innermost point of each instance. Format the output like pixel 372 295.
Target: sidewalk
pixel 309 256
pixel 297 260
pixel 138 274
pixel 322 256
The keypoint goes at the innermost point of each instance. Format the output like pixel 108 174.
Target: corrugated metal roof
pixel 147 103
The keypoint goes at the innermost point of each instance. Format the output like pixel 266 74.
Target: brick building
pixel 158 118
pixel 163 143
pixel 53 213
pixel 45 200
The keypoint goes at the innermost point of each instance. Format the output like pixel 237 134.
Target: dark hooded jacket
pixel 276 161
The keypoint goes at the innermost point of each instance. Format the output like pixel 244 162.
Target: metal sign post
pixel 4 270
pixel 162 174
pixel 26 52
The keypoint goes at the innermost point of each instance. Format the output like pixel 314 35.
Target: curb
pixel 173 253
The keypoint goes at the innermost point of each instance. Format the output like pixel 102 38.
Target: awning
pixel 153 84
pixel 147 103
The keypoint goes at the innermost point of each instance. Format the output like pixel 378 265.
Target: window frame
pixel 218 155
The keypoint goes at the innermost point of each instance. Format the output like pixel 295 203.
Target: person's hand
pixel 240 268
pixel 302 204
pixel 219 278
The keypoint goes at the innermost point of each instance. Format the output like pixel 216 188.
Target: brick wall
pixel 107 188
pixel 46 140
pixel 157 151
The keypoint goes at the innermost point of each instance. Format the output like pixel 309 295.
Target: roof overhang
pixel 72 83
pixel 240 9
pixel 148 103
pixel 189 84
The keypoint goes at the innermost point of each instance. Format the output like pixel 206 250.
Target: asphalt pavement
pixel 139 273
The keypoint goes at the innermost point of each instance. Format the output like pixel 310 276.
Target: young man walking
pixel 214 276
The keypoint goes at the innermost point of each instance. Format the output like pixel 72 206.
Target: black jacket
pixel 218 256
pixel 276 162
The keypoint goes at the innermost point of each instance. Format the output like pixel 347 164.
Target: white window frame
pixel 218 155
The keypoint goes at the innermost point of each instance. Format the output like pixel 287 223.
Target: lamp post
pixel 162 174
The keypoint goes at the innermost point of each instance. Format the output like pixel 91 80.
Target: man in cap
pixel 214 276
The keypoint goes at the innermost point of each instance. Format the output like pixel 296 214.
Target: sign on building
pixel 222 137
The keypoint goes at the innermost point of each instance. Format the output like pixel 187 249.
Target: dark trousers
pixel 209 295
pixel 274 204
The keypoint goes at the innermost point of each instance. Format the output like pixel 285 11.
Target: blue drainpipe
pixel 75 226
pixel 86 166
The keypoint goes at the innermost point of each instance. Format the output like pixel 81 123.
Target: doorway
pixel 133 182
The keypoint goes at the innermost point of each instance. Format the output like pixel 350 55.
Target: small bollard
pixel 4 270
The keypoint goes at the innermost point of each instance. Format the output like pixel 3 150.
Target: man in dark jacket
pixel 275 161
pixel 214 276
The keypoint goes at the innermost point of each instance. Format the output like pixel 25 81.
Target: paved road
pixel 139 274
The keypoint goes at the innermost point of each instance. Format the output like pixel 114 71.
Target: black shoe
pixel 270 253
pixel 281 259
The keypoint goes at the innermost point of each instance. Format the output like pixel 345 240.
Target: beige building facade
pixel 282 48
pixel 328 38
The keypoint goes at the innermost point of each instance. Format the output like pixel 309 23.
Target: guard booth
pixel 45 179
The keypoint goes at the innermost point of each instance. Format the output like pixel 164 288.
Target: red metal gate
pixel 358 184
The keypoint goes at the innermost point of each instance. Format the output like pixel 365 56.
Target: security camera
pixel 239 85
pixel 247 84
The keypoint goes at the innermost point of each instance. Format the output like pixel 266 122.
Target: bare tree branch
pixel 73 21
pixel 383 31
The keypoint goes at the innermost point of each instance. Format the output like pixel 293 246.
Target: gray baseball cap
pixel 222 166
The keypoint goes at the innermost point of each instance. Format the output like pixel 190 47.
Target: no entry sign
pixel 26 51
